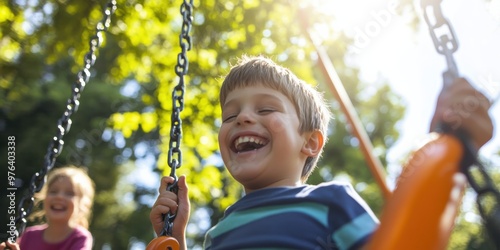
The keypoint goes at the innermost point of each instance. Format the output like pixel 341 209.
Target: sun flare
pixel 349 14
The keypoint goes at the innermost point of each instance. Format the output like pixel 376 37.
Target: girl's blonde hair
pixel 84 191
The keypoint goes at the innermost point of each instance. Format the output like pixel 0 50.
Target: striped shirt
pixel 327 216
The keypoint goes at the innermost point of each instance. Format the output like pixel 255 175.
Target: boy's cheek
pixel 277 124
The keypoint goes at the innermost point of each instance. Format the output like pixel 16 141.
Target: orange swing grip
pixel 163 243
pixel 421 212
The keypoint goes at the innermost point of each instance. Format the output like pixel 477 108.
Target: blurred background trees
pixel 121 130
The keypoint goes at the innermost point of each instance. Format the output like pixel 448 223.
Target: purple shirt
pixel 32 238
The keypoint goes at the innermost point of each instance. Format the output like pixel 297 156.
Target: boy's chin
pixel 245 174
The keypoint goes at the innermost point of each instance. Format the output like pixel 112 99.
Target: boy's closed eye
pixel 266 110
pixel 262 111
pixel 229 118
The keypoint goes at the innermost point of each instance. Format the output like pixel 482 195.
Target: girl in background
pixel 67 199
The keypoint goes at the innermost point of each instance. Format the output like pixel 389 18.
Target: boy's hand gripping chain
pixel 428 185
pixel 165 240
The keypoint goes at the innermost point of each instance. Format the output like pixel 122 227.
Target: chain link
pixel 64 123
pixel 443 36
pixel 174 151
pixel 446 44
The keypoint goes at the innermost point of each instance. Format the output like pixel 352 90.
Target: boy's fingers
pixel 462 107
pixel 169 200
pixel 159 210
pixel 165 181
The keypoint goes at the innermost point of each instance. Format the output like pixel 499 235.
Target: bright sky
pixel 386 47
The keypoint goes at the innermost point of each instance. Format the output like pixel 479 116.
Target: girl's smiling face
pixel 259 138
pixel 61 201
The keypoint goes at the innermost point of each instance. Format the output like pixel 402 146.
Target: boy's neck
pixel 249 189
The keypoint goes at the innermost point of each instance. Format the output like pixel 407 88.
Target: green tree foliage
pixel 125 115
pixel 38 68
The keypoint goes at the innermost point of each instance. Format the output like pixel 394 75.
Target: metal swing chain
pixel 64 123
pixel 174 152
pixel 446 44
pixel 486 192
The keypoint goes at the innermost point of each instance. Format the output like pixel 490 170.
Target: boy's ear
pixel 313 144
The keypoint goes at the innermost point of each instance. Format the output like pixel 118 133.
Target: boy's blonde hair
pixel 84 190
pixel 311 108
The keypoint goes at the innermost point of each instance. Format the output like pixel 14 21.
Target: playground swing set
pixel 429 170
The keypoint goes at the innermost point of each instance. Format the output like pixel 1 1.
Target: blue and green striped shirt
pixel 327 216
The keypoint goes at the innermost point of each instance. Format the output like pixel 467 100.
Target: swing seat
pixel 421 212
pixel 164 243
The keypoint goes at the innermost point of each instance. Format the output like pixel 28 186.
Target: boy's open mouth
pixel 248 143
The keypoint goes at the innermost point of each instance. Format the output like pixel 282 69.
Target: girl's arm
pixel 12 246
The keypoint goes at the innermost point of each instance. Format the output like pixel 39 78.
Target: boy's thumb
pixel 183 190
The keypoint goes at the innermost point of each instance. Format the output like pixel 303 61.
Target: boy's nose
pixel 244 117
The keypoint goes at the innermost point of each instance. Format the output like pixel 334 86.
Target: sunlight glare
pixel 348 14
pixel 494 9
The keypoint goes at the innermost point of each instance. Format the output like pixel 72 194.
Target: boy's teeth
pixel 244 139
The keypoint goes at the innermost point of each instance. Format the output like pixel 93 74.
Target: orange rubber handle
pixel 163 243
pixel 422 210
